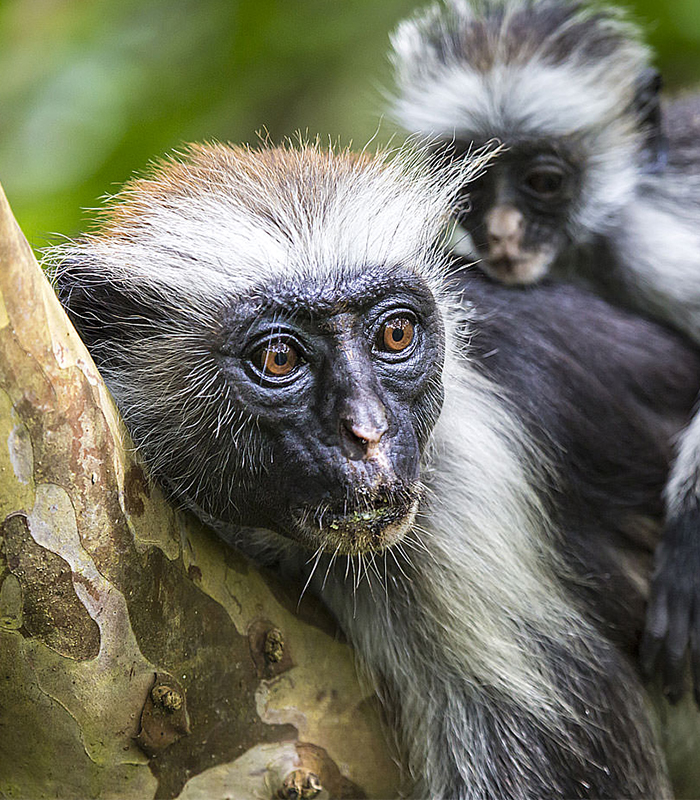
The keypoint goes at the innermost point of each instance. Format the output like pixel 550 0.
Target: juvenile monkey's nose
pixel 504 228
pixel 361 441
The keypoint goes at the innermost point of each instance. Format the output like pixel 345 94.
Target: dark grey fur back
pixel 613 392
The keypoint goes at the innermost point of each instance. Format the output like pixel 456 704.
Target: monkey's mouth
pixel 360 529
pixel 523 269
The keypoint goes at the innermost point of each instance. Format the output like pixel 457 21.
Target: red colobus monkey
pixel 470 481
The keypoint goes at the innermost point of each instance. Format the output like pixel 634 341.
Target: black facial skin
pixel 344 385
pixel 323 397
pixel 328 452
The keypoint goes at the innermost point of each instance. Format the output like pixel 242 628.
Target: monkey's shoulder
pixel 574 361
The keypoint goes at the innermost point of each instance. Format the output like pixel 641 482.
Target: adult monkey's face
pixel 342 379
pixel 267 323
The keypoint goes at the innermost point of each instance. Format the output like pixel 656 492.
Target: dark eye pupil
pixel 276 359
pixel 545 182
pixel 397 334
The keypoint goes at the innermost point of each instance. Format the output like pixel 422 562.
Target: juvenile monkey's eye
pixel 277 359
pixel 546 182
pixel 396 334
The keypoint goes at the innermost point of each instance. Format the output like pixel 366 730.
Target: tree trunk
pixel 141 657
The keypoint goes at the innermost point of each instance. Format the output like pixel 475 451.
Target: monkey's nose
pixel 504 231
pixel 361 441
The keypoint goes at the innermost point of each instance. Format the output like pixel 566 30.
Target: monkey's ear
pixel 647 109
pixel 104 311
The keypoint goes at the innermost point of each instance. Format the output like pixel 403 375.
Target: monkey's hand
pixel 673 615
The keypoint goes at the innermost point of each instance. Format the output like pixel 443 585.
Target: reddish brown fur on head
pixel 216 168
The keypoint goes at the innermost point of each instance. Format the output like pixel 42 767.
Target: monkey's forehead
pixel 343 290
pixel 212 282
pixel 227 221
pixel 556 65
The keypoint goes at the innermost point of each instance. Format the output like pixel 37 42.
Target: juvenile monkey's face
pixel 341 383
pixel 517 213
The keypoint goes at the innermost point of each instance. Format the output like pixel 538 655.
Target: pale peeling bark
pixel 139 656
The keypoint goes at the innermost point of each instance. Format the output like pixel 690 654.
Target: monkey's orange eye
pixel 397 334
pixel 276 360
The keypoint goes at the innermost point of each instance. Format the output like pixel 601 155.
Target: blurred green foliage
pixel 90 90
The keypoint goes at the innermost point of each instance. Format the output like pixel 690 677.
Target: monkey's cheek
pixel 367 531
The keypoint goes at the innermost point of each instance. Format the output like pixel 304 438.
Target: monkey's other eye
pixel 396 335
pixel 276 359
pixel 544 181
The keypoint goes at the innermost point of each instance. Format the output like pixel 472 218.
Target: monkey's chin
pixel 360 531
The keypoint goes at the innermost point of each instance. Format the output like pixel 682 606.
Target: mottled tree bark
pixel 139 656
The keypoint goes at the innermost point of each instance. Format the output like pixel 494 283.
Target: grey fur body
pixel 502 679
pixel 572 78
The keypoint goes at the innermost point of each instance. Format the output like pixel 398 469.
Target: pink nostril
pixel 361 440
pixel 369 435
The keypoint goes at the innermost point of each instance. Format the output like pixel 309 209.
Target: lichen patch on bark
pixel 51 610
pixel 4 319
pixel 136 490
pixel 16 494
pixel 20 449
pixel 11 618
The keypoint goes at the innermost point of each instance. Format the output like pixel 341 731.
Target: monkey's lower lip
pixel 360 530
